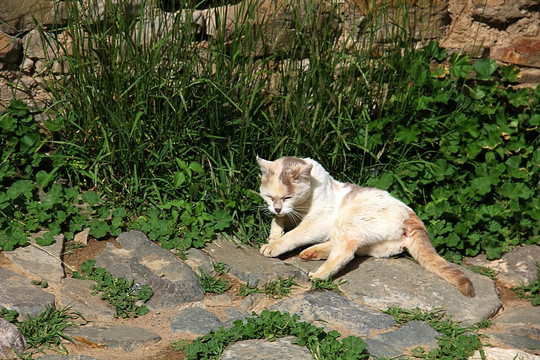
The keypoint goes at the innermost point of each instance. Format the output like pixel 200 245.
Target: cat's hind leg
pixel 316 252
pixel 343 247
pixel 338 258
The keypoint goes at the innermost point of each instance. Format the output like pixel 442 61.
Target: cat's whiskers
pixel 295 216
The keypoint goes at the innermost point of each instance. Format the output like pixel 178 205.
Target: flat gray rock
pixel 127 338
pixel 334 311
pixel 66 357
pixel 172 281
pixel 234 314
pixel 41 261
pixel 493 353
pixel 514 268
pixel 195 320
pixel 17 293
pixel 200 260
pixel 281 349
pixel 78 294
pixel 400 342
pixel 382 283
pixel 248 265
pixel 527 316
pixel 518 328
pixel 11 339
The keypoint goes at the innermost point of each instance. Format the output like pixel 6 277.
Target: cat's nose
pixel 278 210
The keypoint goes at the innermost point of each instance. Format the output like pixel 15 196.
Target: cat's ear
pixel 264 164
pixel 302 173
pixel 305 173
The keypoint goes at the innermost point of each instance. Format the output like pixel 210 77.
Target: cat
pixel 342 219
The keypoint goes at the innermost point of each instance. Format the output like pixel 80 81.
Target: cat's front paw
pixel 318 275
pixel 272 249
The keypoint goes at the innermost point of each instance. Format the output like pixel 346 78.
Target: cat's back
pixel 366 197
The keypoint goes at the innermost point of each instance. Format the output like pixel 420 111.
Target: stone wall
pixel 506 30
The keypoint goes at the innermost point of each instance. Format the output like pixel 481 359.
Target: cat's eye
pixel 286 198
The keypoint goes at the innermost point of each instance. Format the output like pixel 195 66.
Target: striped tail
pixel 419 246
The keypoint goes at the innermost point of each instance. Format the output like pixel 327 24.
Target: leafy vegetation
pixel 531 291
pixel 455 343
pixel 121 293
pixel 45 331
pixel 167 147
pixel 211 284
pixel 271 325
pixel 482 270
pixel 277 288
pixel 327 284
pixel 248 289
pixel 139 141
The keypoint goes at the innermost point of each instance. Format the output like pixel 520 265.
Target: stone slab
pixel 78 294
pixel 282 348
pixel 493 353
pixel 195 320
pixel 41 261
pixel 334 311
pixel 519 341
pixel 400 342
pixel 11 339
pixel 382 283
pixel 172 281
pixel 127 338
pixel 66 357
pixel 519 316
pixel 515 267
pixel 16 293
pixel 248 265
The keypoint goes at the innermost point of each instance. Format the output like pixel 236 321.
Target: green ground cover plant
pixel 214 283
pixel 139 141
pixel 278 288
pixel 44 331
pixel 123 294
pixel 271 325
pixel 456 342
pixel 327 284
pixel 248 289
pixel 532 290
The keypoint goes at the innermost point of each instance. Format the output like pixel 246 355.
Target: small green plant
pixel 327 284
pixel 9 315
pixel 220 268
pixel 211 284
pixel 276 289
pixel 41 283
pixel 119 292
pixel 271 325
pixel 531 291
pixel 46 330
pixel 248 289
pixel 482 270
pixel 455 343
pixel 180 345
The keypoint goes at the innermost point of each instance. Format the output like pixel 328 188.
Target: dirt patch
pixel 74 254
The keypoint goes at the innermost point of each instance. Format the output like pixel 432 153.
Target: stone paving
pixel 180 310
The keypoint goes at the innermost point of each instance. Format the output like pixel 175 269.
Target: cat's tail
pixel 419 246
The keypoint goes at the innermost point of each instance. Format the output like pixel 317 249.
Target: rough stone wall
pixel 506 30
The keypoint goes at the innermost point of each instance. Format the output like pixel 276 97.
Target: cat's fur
pixel 342 220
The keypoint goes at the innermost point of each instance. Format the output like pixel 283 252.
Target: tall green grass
pixel 135 104
pixel 166 118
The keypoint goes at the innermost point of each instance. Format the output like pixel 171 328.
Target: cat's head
pixel 285 184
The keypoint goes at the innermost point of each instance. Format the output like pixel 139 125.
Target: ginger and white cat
pixel 342 220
